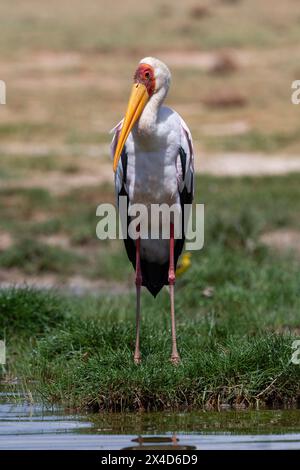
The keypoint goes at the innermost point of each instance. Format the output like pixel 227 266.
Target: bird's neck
pixel 146 125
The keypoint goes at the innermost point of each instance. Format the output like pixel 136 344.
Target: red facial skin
pixel 145 74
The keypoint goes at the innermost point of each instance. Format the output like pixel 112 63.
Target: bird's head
pixel 151 77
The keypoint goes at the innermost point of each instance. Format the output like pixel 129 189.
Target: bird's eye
pixel 147 75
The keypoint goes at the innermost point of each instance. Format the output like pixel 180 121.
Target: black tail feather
pixel 154 275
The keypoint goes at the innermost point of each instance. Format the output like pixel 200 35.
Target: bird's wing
pixel 120 182
pixel 116 134
pixel 185 165
pixel 185 179
pixel 121 189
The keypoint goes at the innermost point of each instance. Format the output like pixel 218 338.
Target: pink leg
pixel 171 278
pixel 138 283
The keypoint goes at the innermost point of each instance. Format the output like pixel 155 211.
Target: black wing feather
pixel 154 275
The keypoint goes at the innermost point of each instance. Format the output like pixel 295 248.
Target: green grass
pixel 21 165
pixel 233 421
pixel 236 346
pixel 87 362
pixel 158 23
pixel 69 72
pixel 34 257
pixel 238 211
pixel 26 312
pixel 25 130
pixel 253 141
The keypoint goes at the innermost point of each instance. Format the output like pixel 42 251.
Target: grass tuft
pixel 35 257
pixel 25 311
pixel 235 343
pixel 91 365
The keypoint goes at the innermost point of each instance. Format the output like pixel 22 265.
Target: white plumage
pixel 154 171
pixel 159 166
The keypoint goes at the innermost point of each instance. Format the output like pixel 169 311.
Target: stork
pixel 153 162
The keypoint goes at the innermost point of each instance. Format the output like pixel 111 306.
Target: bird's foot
pixel 175 359
pixel 137 359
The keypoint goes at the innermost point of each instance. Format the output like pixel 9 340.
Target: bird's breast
pixel 152 176
pixel 154 181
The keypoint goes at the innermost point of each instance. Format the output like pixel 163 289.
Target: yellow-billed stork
pixel 154 164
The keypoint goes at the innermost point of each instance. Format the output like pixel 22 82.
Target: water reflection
pixel 29 426
pixel 158 443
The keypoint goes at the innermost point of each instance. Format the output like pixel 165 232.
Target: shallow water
pixel 34 427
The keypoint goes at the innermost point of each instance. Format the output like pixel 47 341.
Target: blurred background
pixel 68 67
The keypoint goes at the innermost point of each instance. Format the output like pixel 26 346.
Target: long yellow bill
pixel 137 101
